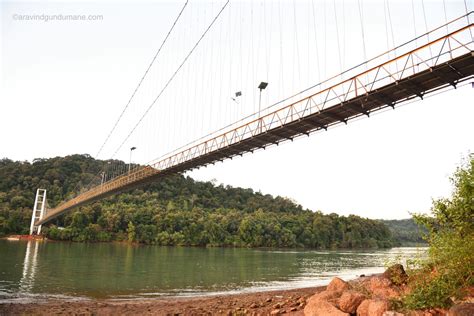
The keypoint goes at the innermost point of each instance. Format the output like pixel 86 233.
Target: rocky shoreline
pixel 377 295
pixel 374 295
pixel 291 302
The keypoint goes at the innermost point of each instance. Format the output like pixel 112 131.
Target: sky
pixel 64 83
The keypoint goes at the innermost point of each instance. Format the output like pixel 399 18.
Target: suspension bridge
pixel 438 60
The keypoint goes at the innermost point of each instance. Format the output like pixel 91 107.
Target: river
pixel 31 271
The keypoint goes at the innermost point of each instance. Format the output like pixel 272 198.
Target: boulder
pixel 373 307
pixel 350 300
pixel 322 308
pixel 382 287
pixel 337 284
pixel 363 309
pixel 464 309
pixel 396 274
pixel 330 296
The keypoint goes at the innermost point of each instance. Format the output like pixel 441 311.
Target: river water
pixel 36 270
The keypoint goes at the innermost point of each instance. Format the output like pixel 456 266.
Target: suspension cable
pixel 172 77
pixel 141 80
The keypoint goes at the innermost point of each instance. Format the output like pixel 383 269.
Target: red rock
pixel 363 309
pixel 329 296
pixel 337 285
pixel 350 300
pixel 275 312
pixel 373 307
pixel 382 287
pixel 464 309
pixel 322 308
pixel 323 297
pixel 392 313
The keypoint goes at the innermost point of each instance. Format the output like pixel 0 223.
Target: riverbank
pixel 291 302
pixel 374 295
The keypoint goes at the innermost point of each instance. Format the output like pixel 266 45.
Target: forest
pixel 174 211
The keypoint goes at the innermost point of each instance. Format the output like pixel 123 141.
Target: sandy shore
pixel 289 302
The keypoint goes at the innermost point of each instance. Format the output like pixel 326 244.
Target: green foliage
pixel 451 238
pixel 405 232
pixel 174 211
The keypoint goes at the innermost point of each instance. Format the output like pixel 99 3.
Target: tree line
pixel 174 211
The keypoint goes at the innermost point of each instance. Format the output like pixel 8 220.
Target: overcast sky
pixel 64 83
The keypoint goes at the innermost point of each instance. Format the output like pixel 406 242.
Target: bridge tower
pixel 39 210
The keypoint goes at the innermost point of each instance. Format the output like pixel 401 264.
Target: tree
pixel 448 271
pixel 131 232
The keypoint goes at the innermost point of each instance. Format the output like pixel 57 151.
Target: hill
pixel 405 232
pixel 174 211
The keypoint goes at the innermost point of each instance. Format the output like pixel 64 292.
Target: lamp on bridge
pixel 130 164
pixel 261 87
pixel 237 94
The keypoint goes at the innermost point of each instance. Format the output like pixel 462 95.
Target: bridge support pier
pixel 38 211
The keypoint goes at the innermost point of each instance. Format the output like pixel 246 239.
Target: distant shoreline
pixel 43 238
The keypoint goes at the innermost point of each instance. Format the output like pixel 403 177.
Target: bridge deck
pixel 342 102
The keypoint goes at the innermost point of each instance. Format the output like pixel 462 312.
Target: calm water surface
pixel 36 270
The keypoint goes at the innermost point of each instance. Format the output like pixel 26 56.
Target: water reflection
pixel 29 267
pixel 128 271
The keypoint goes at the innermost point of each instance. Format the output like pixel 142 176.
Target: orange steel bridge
pixel 384 81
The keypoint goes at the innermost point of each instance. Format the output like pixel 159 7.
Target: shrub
pixel 448 270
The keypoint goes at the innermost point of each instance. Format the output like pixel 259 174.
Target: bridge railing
pixel 424 57
pixel 391 59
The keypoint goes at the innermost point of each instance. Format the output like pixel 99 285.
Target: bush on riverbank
pixel 449 270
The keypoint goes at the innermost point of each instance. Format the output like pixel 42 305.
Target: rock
pixel 396 274
pixel 275 312
pixel 329 296
pixel 254 305
pixel 350 300
pixel 392 313
pixel 464 309
pixel 277 306
pixel 381 287
pixel 363 308
pixel 294 304
pixel 322 308
pixel 337 285
pixel 293 309
pixel 269 300
pixel 373 307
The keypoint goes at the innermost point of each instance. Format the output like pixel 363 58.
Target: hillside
pixel 174 211
pixel 405 231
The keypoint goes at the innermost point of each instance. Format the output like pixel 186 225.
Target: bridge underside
pixel 418 85
pixel 444 75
